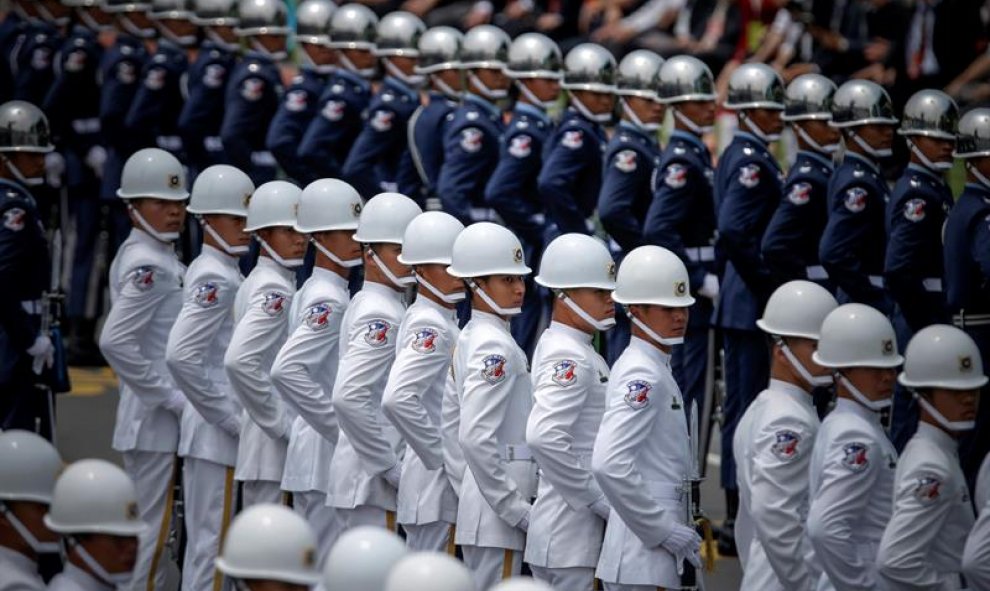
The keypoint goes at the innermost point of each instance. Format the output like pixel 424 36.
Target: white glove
pixel 524 522
pixel 685 544
pixel 393 474
pixel 601 508
pixel 95 159
pixel 54 169
pixel 709 287
pixel 176 404
pixel 43 353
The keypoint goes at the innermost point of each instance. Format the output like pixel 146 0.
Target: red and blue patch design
pixel 471 138
pixel 252 89
pixel 854 456
pixel 207 295
pixel 676 176
pixel 274 303
pixel 317 316
pixel 143 278
pixel 382 120
pixel 785 444
pixel 493 369
pixel 521 146
pixel 928 489
pixel 855 200
pixel 424 341
pixel 626 160
pixel 564 372
pixel 334 110
pixel 14 219
pixel 749 175
pixel 573 139
pixel 637 394
pixel 800 193
pixel 376 333
pixel 914 210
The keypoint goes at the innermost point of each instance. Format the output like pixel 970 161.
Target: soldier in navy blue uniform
pixel 206 85
pixel 629 167
pixel 24 350
pixel 790 245
pixel 254 89
pixel 31 59
pixel 967 267
pixel 472 132
pixel 915 215
pixel 439 61
pixel 572 169
pixel 379 155
pixel 332 132
pixel 681 216
pixel 535 66
pixel 747 191
pixel 853 245
pixel 301 97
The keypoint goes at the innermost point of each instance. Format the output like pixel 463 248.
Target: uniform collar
pixel 578 335
pixel 216 253
pixel 83 579
pixel 382 290
pixel 859 158
pixel 573 113
pixel 401 87
pixel 312 72
pixel 330 277
pixel 484 104
pixel 168 46
pixel 489 318
pixel 687 136
pixel 937 436
pixel 794 391
pixel 648 349
pixel 353 78
pixel 532 111
pixel 450 313
pixel 437 97
pixel 630 127
pixel 851 406
pixel 268 262
pixel 24 562
pixel 748 137
pixel 811 155
pixel 915 167
pixel 258 56
pixel 148 240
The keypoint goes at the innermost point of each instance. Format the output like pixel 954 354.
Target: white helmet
pixel 855 335
pixel 429 239
pixel 274 203
pixel 484 249
pixel 942 356
pixel 429 570
pixel 221 189
pixel 94 497
pixel 29 465
pixel 272 543
pixel 576 260
pixel 154 173
pixel 797 309
pixel 522 584
pixel 328 204
pixel 655 276
pixel 385 218
pixel 362 558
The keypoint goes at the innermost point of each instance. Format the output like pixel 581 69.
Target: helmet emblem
pixel 965 363
pixel 517 255
pixel 610 269
pixel 173 181
pixel 131 511
pixel 680 288
pixel 247 199
pixel 309 557
pixel 356 209
pixel 295 209
pixel 888 347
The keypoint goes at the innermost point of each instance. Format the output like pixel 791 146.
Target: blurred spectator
pixel 648 27
pixel 557 19
pixel 857 38
pixel 708 30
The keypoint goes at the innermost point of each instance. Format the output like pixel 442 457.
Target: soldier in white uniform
pixel 570 380
pixel 976 556
pixel 211 422
pixel 261 316
pixel 642 455
pixel 853 461
pixel 494 392
pixel 94 509
pixel 773 441
pixel 29 466
pixel 923 544
pixel 427 505
pixel 306 368
pixel 269 547
pixel 145 298
pixel 366 464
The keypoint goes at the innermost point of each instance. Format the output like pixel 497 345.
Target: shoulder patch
pixel 274 303
pixel 564 373
pixel 155 79
pixel 914 210
pixel 493 369
pixel 800 193
pixel 143 278
pixel 637 394
pixel 749 175
pixel 855 200
pixel 334 110
pixel 521 146
pixel 676 176
pixel 252 89
pixel 626 160
pixel 854 456
pixel 207 294
pixel 572 139
pixel 317 316
pixel 376 333
pixel 296 101
pixel 382 120
pixel 927 489
pixel 214 75
pixel 785 446
pixel 471 139
pixel 14 219
pixel 126 73
pixel 75 61
pixel 424 341
pixel 41 58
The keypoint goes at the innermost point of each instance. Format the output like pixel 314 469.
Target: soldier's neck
pixel 786 374
pixel 323 261
pixel 638 333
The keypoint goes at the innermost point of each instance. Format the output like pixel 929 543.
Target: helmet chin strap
pixel 133 29
pixel 814 145
pixel 114 579
pixel 490 302
pixel 22 530
pixel 32 181
pixel 866 147
pixel 688 123
pixel 444 87
pixel 602 325
pixel 487 92
pixel 220 41
pixel 756 130
pixel 181 40
pixel 413 80
pixel 223 244
pixel 940 166
pixel 531 96
pixel 596 117
pixel 348 64
pixel 308 62
pixel 812 380
pixel 874 405
pixel 631 114
pixel 48 16
pixel 449 298
pixel 940 418
pixel 666 341
pixel 157 235
pixel 400 282
pixel 979 176
pixel 347 264
pixel 260 48
pixel 287 263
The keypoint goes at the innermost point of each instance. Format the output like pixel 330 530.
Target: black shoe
pixel 727 538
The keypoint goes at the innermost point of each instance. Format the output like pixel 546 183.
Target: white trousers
pixel 566 579
pixel 153 474
pixel 430 537
pixel 326 524
pixel 490 565
pixel 261 491
pixel 208 490
pixel 366 515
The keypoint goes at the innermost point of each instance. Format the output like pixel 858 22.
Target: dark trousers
pixel 747 373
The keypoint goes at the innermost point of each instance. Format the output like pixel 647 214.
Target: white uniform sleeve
pixel 484 403
pixel 362 369
pixel 305 354
pixel 846 487
pixel 549 433
pixel 257 332
pixel 623 433
pixel 903 556
pixel 779 487
pixel 450 426
pixel 976 556
pixel 415 370
pixel 145 288
pixel 193 332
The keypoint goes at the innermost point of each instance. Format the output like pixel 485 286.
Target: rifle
pixel 51 321
pixel 694 515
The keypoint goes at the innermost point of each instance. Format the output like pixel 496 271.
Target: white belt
pixel 172 143
pixel 434 204
pixel 963 320
pixel 933 284
pixel 613 246
pixel 36 307
pixel 483 214
pixel 213 143
pixel 876 281
pixel 85 126
pixel 517 453
pixel 263 158
pixel 538 219
pixel 816 272
pixel 701 254
pixel 665 490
